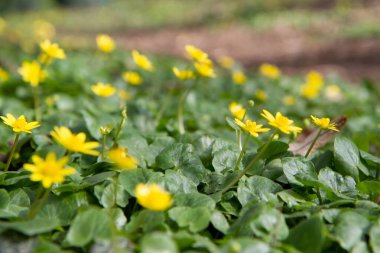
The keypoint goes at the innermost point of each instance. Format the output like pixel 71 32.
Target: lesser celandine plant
pixel 18 126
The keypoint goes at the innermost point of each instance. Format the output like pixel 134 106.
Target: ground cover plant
pixel 112 151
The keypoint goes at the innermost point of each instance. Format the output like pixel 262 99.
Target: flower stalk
pixel 12 152
pixel 313 143
pixel 38 202
pixel 119 127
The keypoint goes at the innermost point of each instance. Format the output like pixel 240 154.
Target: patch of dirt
pixel 294 51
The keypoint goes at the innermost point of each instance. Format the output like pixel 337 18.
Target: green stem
pixel 181 105
pixel 38 203
pixel 313 143
pixel 37 108
pixel 118 130
pixel 103 146
pixel 242 152
pixel 249 166
pixel 12 152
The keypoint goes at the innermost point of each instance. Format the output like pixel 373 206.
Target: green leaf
pixel 129 179
pixel 300 171
pixel 219 221
pixel 181 157
pixel 194 200
pixel 4 199
pixel 146 220
pixel 369 187
pixel 32 227
pixel 346 157
pixel 195 218
pixel 158 243
pixel 224 160
pixel 339 186
pixel 91 224
pixel 374 235
pixel 256 188
pixel 176 182
pixel 275 148
pixel 307 236
pixel 349 229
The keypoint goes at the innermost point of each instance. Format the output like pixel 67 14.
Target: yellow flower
pixel 226 62
pixel 43 30
pixel 270 71
pixel 261 95
pixel 333 93
pixel 105 43
pixel 238 77
pixel 20 124
pixel 103 90
pixel 196 54
pixel 122 159
pixel 252 127
pixel 132 77
pixel 289 100
pixel 237 110
pixel 183 74
pixel 51 51
pixel 280 122
pixel 49 171
pixel 4 76
pixel 324 123
pixel 153 197
pixel 310 91
pixel 314 78
pixel 74 142
pixel 32 73
pixel 205 69
pixel 142 61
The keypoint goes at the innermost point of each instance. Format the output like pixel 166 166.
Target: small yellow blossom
pixel 122 159
pixel 153 197
pixel 289 100
pixel 238 77
pixel 4 75
pixel 74 142
pixel 183 74
pixel 333 93
pixel 20 124
pixel 270 71
pixel 105 43
pixel 132 77
pixel 142 61
pixel 103 90
pixel 315 78
pixel 237 110
pixel 309 91
pixel 49 171
pixel 205 69
pixel 281 122
pixel 196 54
pixel 43 30
pixel 324 123
pixel 32 73
pixel 104 130
pixel 252 127
pixel 261 95
pixel 226 62
pixel 51 51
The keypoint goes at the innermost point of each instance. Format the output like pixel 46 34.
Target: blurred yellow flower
pixel 142 61
pixel 289 100
pixel 309 91
pixel 132 77
pixel 281 122
pixel 270 71
pixel 43 30
pixel 238 77
pixel 261 95
pixel 183 74
pixel 20 124
pixel 105 43
pixel 252 127
pixel 237 110
pixel 196 54
pixel 205 69
pixel 74 142
pixel 315 78
pixel 333 93
pixel 103 90
pixel 226 62
pixel 51 51
pixel 122 159
pixel 49 171
pixel 32 73
pixel 153 197
pixel 324 123
pixel 4 75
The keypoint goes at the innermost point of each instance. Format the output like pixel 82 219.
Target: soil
pixel 294 51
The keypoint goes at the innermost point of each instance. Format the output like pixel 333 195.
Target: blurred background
pixel 332 36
